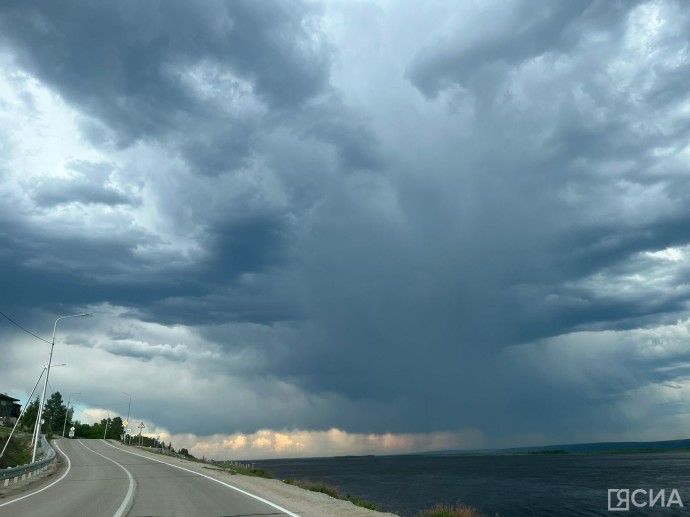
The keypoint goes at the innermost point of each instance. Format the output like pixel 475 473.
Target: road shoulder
pixel 295 499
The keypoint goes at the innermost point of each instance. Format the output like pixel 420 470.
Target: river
pixel 512 485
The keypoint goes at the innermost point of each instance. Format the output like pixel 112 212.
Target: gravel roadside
pixel 295 499
pixel 302 502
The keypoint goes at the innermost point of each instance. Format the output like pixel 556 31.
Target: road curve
pixel 102 480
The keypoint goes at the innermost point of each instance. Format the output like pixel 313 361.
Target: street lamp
pixel 129 406
pixel 34 436
pixel 16 423
pixel 67 411
pixel 45 384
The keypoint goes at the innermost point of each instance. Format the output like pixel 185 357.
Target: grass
pixel 330 490
pixel 244 471
pixel 18 451
pixel 237 469
pixel 445 510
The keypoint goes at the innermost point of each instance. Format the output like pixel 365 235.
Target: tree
pixel 115 430
pixel 110 428
pixel 84 430
pixel 185 452
pixel 54 413
pixel 30 413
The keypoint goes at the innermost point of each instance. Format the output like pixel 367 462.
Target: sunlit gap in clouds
pixel 333 442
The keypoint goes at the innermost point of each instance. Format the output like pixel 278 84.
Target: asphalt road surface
pixel 102 480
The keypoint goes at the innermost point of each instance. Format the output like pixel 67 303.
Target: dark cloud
pixel 90 186
pixel 252 244
pixel 146 352
pixel 352 138
pixel 413 263
pixel 142 69
pixel 474 57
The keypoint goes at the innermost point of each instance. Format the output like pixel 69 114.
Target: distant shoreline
pixel 558 452
pixel 682 445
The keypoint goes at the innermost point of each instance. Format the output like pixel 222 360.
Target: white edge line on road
pixel 266 501
pixel 130 492
pixel 69 467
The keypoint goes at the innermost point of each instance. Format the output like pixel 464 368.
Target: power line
pixel 75 408
pixel 27 331
pixel 86 413
pixel 52 391
pixel 105 404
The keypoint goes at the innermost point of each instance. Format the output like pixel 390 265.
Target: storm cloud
pixel 446 220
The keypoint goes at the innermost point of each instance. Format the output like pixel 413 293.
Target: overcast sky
pixel 350 227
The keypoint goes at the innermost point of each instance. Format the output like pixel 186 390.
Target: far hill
pixel 579 448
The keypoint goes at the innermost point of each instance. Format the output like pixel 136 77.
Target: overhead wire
pixel 49 385
pixel 75 408
pixel 98 419
pixel 25 330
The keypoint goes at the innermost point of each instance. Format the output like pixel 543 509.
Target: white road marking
pixel 69 466
pixel 130 493
pixel 266 501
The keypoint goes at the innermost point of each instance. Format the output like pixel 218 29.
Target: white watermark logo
pixel 620 499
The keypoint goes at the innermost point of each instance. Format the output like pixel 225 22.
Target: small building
pixel 10 409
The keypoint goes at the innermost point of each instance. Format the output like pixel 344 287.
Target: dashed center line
pixel 129 497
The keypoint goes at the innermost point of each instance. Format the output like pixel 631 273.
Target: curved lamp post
pixel 45 384
pixel 24 410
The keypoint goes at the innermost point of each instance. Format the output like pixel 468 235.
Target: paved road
pixel 102 480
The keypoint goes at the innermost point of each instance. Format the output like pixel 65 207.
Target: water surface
pixel 529 485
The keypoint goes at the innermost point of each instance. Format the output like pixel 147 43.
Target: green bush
pixel 324 488
pixel 317 486
pixel 237 469
pixel 18 452
pixel 358 502
pixel 445 510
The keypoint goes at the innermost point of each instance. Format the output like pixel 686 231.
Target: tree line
pixel 57 416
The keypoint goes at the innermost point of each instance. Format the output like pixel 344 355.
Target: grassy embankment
pixel 18 451
pixel 440 510
pixel 233 468
pixel 324 488
pixel 445 510
pixel 238 469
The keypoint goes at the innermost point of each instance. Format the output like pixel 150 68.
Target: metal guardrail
pixel 23 471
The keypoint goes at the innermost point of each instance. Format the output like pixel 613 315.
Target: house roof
pixel 7 397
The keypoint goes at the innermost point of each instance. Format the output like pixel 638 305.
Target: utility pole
pixel 45 384
pixel 37 426
pixel 22 413
pixel 64 425
pixel 129 407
